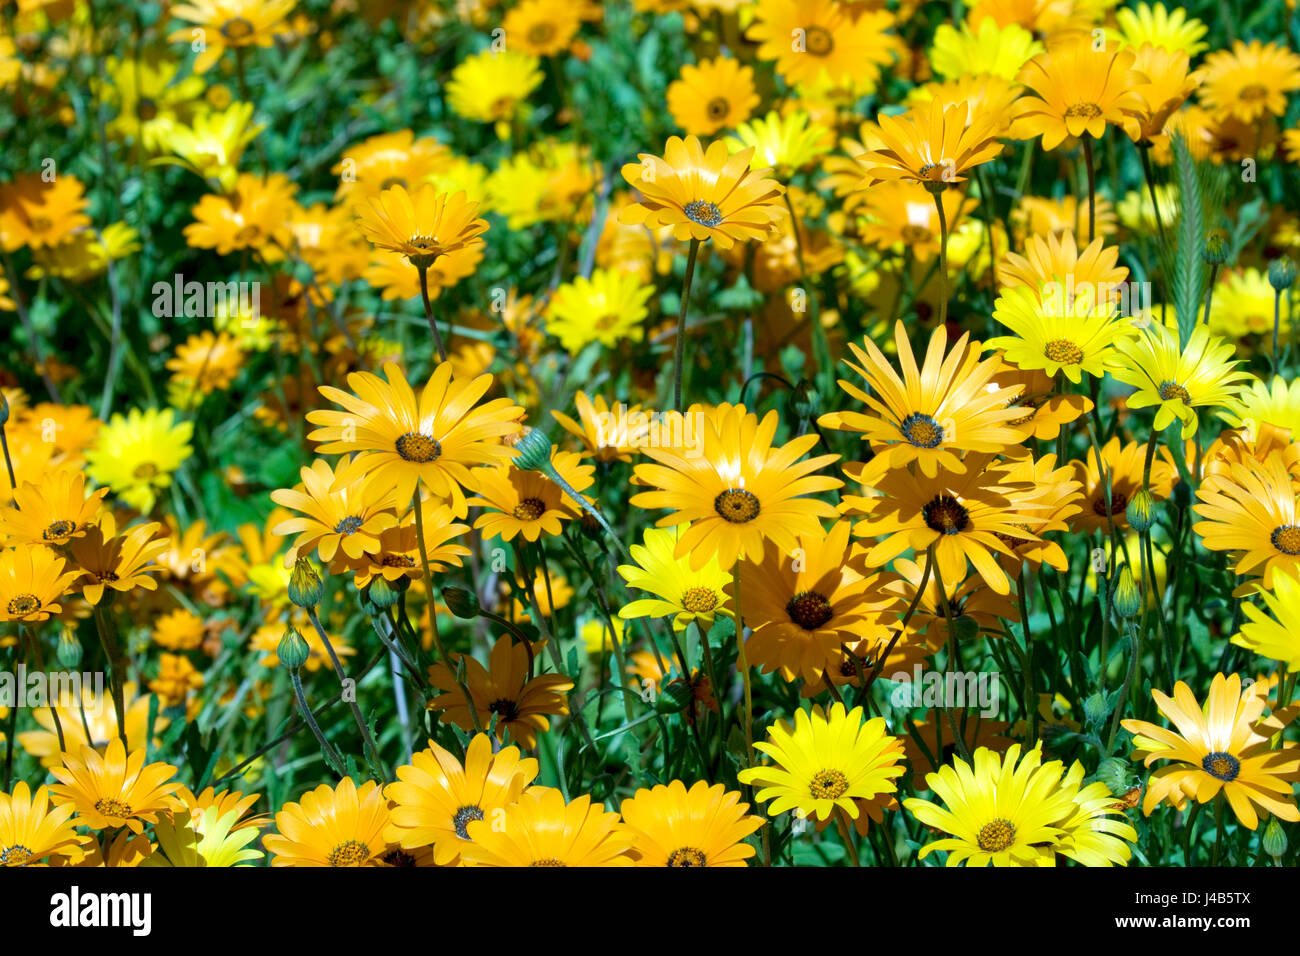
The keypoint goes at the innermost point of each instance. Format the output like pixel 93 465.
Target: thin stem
pixel 372 748
pixel 331 754
pixel 1092 187
pixel 846 832
pixel 117 665
pixel 679 354
pixel 428 312
pixel 943 258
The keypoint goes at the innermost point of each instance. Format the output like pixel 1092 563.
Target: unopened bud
pixel 1116 774
pixel 1274 839
pixel 1281 273
pixel 381 593
pixel 304 584
pixel 1126 597
pixel 1139 511
pixel 462 603
pixel 69 648
pixel 534 451
pixel 1215 249
pixel 293 650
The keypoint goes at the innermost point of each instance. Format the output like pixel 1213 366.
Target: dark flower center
pixel 23 604
pixel 809 610
pixel 1118 502
pixel 16 856
pixel 58 530
pixel 922 430
pixel 703 212
pixel 736 505
pixel 1287 539
pixel 348 853
pixel 946 515
pixel 463 818
pixel 1221 765
pixel 818 41
pixel 1171 390
pixel 717 108
pixel 530 509
pixel 237 29
pixel 508 709
pixel 348 525
pixel 686 856
pixel 419 448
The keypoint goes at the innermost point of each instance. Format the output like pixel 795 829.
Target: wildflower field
pixel 649 433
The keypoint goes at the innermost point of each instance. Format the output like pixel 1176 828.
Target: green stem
pixel 679 354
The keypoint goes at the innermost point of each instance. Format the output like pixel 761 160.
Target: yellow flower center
pixel 1171 390
pixel 419 448
pixel 348 853
pixel 59 530
pixel 237 29
pixel 698 600
pixel 922 430
pixel 1253 91
pixel 392 181
pixel 145 471
pixel 248 235
pixel 945 514
pixel 464 816
pixel 912 235
pixel 1029 403
pixel 1222 765
pixel 397 561
pixel 1118 502
pixel 703 212
pixel 1063 352
pixel 15 856
pixel 686 856
pixel 828 785
pixel 818 41
pixel 717 108
pixel 530 509
pixel 548 861
pixel 1287 539
pixel 540 33
pixel 809 610
pixel 23 604
pixel 1083 110
pixel 42 223
pixel 996 836
pixel 736 505
pixel 113 808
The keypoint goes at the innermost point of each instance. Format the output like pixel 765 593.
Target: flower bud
pixel 1274 839
pixel 674 698
pixel 1125 597
pixel 534 451
pixel 69 648
pixel 1116 774
pixel 1095 709
pixel 304 584
pixel 1215 249
pixel 381 593
pixel 1281 273
pixel 293 650
pixel 462 603
pixel 805 403
pixel 1139 510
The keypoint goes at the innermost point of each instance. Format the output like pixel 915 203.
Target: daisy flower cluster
pixel 649 433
